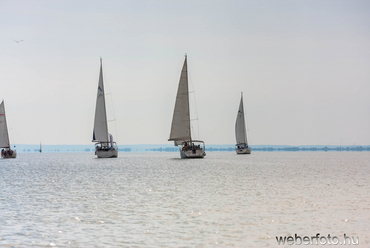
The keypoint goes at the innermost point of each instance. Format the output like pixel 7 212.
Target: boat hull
pixel 7 155
pixel 198 153
pixel 107 154
pixel 243 151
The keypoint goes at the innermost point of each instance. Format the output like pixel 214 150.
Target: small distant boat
pixel 241 146
pixel 105 147
pixel 180 128
pixel 6 152
pixel 40 148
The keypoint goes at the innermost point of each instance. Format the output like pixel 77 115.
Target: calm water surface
pixel 159 200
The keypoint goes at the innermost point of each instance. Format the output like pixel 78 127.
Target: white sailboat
pixel 105 147
pixel 6 152
pixel 241 146
pixel 180 128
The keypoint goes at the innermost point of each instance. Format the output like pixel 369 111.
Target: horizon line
pixel 173 145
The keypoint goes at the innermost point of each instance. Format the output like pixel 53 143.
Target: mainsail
pixel 180 129
pixel 240 133
pixel 4 137
pixel 100 132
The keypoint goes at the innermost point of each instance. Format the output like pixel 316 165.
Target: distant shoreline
pixel 21 148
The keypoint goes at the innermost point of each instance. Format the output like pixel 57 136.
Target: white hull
pixel 14 155
pixel 198 153
pixel 243 151
pixel 107 154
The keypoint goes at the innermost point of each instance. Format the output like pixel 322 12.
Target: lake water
pixel 160 200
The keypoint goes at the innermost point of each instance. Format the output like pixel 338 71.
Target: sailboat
pixel 6 152
pixel 40 148
pixel 180 128
pixel 241 146
pixel 105 147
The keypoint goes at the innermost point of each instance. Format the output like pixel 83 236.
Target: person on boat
pixel 111 142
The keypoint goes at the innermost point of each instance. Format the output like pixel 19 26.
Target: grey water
pixel 160 200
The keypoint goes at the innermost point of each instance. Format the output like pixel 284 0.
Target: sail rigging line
pixel 10 130
pixel 111 107
pixel 245 131
pixel 246 118
pixel 192 128
pixel 194 104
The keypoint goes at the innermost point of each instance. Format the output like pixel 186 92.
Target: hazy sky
pixel 304 68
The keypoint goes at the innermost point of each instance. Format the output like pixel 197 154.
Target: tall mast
pixel 4 135
pixel 180 128
pixel 6 127
pixel 105 109
pixel 187 82
pixel 244 130
pixel 100 132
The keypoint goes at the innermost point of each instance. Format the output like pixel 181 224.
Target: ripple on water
pixel 154 200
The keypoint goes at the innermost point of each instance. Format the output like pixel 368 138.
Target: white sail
pixel 180 129
pixel 240 132
pixel 100 132
pixel 4 137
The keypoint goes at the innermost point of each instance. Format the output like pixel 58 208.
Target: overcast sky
pixel 304 68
